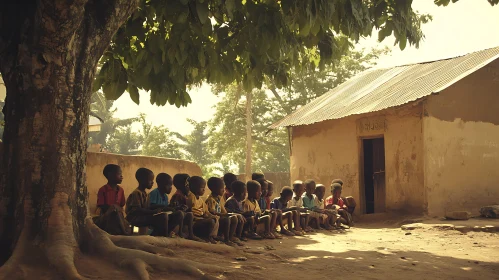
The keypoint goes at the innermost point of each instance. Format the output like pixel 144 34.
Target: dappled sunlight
pixel 467 268
pixel 302 259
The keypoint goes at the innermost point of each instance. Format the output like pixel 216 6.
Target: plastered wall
pixel 331 149
pixel 461 138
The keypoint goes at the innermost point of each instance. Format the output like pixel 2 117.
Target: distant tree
pixel 101 108
pixel 271 151
pixel 124 140
pixel 195 146
pixel 158 141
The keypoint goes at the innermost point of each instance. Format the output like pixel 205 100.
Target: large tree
pixel 49 50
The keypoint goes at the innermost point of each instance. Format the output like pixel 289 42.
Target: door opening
pixel 374 175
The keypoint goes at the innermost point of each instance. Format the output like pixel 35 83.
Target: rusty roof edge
pixel 408 103
pixel 457 79
pixel 465 74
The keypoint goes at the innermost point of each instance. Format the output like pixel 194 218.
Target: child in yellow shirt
pixel 250 204
pixel 205 223
pixel 216 206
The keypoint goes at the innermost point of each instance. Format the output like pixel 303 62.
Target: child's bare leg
pixel 189 221
pixel 266 219
pixel 211 225
pixel 233 221
pixel 288 215
pixel 160 224
pixel 240 227
pixel 332 220
pixel 224 227
pixel 344 217
pixel 176 219
pixel 296 220
pixel 305 220
pixel 250 224
pixel 273 221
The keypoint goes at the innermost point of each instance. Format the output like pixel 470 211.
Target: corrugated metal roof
pixel 378 89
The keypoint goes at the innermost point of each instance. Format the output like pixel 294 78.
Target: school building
pixel 419 138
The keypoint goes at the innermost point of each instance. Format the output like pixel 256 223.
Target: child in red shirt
pixel 110 202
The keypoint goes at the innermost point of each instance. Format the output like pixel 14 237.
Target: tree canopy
pixel 167 45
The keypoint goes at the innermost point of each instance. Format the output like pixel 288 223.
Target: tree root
pixel 59 249
pixel 140 253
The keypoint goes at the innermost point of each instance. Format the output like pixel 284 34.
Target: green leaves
pixel 446 2
pixel 202 10
pixel 230 6
pixel 113 78
pixel 134 94
pixel 168 45
pixel 443 2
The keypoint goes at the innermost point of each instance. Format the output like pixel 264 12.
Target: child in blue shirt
pixel 158 199
pixel 292 216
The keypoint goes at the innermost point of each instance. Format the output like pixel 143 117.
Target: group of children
pixel 230 214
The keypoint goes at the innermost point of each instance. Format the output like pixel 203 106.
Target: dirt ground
pixel 375 250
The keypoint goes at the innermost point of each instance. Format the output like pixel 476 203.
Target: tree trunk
pixel 249 140
pixel 48 62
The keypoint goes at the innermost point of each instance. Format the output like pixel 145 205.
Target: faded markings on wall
pixel 369 126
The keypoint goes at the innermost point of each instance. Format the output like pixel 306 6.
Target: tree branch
pixel 279 99
pixel 268 142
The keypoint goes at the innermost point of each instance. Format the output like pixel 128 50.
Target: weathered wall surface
pixel 461 134
pixel 331 149
pixel 129 165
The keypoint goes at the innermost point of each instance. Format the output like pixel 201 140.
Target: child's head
pixel 339 181
pixel 181 182
pixel 145 177
pixel 270 189
pixel 216 186
pixel 257 176
pixel 286 194
pixel 239 190
pixel 265 186
pixel 229 178
pixel 113 174
pixel 164 182
pixel 254 189
pixel 336 189
pixel 197 185
pixel 320 191
pixel 309 187
pixel 298 188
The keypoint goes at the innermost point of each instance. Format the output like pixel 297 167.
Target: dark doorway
pixel 374 175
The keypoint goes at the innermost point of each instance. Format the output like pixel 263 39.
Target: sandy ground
pixel 376 250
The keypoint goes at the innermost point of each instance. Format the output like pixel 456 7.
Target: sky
pixel 460 28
